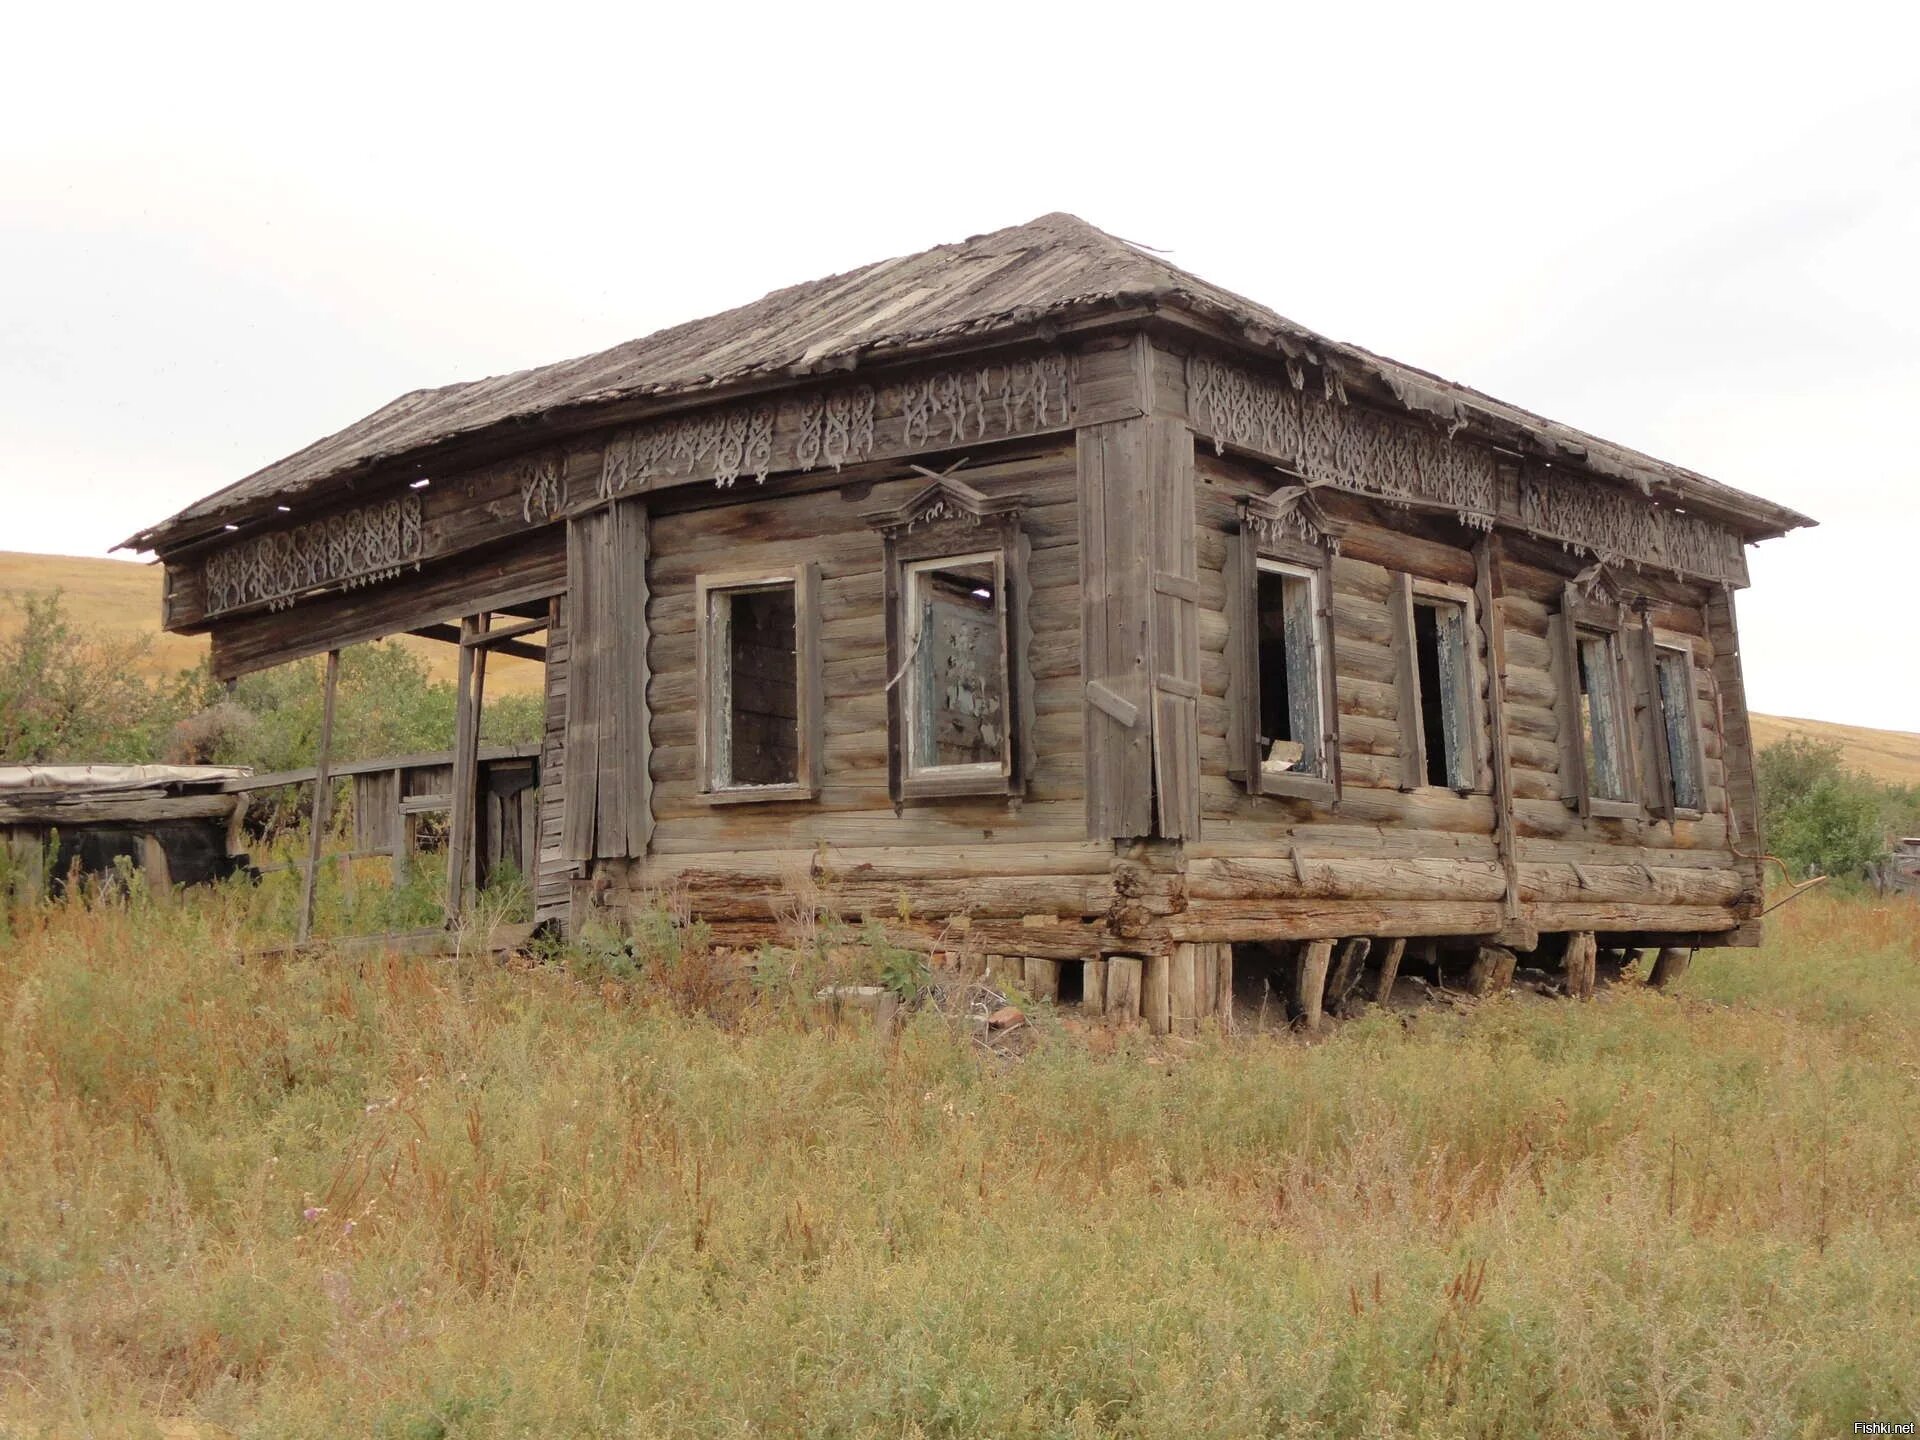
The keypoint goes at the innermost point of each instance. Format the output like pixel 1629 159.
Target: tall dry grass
pixel 416 1198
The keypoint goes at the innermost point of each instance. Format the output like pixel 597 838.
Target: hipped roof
pixel 1006 284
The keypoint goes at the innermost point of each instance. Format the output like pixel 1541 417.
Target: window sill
pixel 760 795
pixel 1316 788
pixel 944 787
pixel 1616 809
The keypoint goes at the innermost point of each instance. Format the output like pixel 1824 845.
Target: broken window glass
pixel 956 697
pixel 1289 722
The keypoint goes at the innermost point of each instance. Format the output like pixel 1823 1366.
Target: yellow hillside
pixel 1890 755
pixel 122 597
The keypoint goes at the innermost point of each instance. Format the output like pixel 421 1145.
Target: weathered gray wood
pixel 1123 988
pixel 1581 958
pixel 1174 621
pixel 1041 977
pixel 1669 966
pixel 1489 594
pixel 1413 749
pixel 1156 993
pixel 1311 985
pixel 1347 969
pixel 1389 969
pixel 470 695
pixel 1491 971
pixel 322 793
pixel 1115 568
pixel 1093 986
pixel 1183 1000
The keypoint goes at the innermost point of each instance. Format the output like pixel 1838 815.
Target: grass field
pixel 434 1198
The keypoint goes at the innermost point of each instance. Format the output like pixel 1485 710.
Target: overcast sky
pixel 226 233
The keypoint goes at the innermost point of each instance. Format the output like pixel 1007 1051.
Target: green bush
pixel 1820 817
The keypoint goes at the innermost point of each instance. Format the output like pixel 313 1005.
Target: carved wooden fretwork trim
pixel 1623 529
pixel 839 426
pixel 734 441
pixel 1330 443
pixel 354 547
pixel 955 406
pixel 1291 513
pixel 543 490
pixel 1359 450
pixel 949 501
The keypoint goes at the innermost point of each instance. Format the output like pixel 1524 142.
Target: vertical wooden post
pixel 1389 971
pixel 1041 977
pixel 1156 1000
pixel 1123 988
pixel 466 763
pixel 1582 953
pixel 1183 981
pixel 322 793
pixel 1223 986
pixel 400 830
pixel 1314 959
pixel 1670 965
pixel 1347 970
pixel 1093 986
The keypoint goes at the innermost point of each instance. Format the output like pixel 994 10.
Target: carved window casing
pixel 1439 684
pixel 959 696
pixel 1283 707
pixel 1599 773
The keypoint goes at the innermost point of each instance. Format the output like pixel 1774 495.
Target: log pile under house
pixel 1067 613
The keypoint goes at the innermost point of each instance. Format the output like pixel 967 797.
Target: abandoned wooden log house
pixel 1052 603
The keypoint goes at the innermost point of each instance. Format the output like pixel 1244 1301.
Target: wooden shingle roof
pixel 1007 283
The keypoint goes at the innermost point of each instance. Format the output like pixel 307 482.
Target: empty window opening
pixel 956 698
pixel 757 695
pixel 1673 668
pixel 1446 693
pixel 1290 720
pixel 1602 724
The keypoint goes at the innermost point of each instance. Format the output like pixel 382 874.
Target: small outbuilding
pixel 175 824
pixel 1057 606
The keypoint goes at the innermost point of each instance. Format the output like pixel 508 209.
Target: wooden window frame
pixel 1656 641
pixel 951 521
pixel 1260 549
pixel 1407 592
pixel 804 581
pixel 936 781
pixel 1581 614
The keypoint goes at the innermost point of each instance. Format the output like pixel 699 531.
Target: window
pixel 1673 674
pixel 959 706
pixel 1290 736
pixel 1283 719
pixel 955 700
pixel 756 684
pixel 1437 684
pixel 1603 725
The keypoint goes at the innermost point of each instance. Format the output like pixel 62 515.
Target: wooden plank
pixel 1093 986
pixel 1173 618
pixel 1311 984
pixel 1347 969
pixel 322 793
pixel 1156 996
pixel 1123 988
pixel 1413 747
pixel 1041 977
pixel 1489 588
pixel 1389 969
pixel 463 793
pixel 1183 1001
pixel 585 675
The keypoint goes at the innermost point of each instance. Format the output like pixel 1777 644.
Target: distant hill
pixel 1890 755
pixel 122 597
